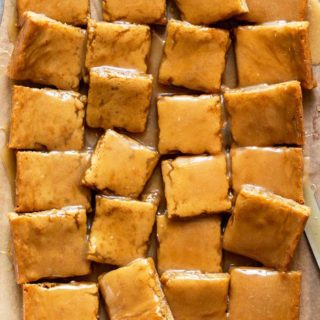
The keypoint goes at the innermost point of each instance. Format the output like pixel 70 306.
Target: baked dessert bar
pixel 51 180
pixel 274 10
pixel 194 56
pixel 193 244
pixel 190 124
pixel 195 295
pixel 138 11
pixel 263 294
pixel 72 11
pixel 74 300
pixel 127 175
pixel 46 119
pixel 134 292
pixel 118 44
pixel 196 185
pixel 274 53
pixel 48 52
pixel 50 244
pixel 118 98
pixel 266 115
pixel 210 11
pixel 121 230
pixel 279 170
pixel 265 227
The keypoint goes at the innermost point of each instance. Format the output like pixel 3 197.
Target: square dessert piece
pixel 275 10
pixel 265 227
pixel 279 170
pixel 127 175
pixel 60 64
pixel 75 300
pixel 210 11
pixel 118 44
pixel 72 11
pixel 194 295
pixel 284 54
pixel 51 180
pixel 193 244
pixel 138 11
pixel 118 98
pixel 194 56
pixel 121 230
pixel 46 119
pixel 134 292
pixel 190 124
pixel 50 244
pixel 264 294
pixel 196 185
pixel 266 115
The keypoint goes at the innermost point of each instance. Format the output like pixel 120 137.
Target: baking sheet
pixel 10 298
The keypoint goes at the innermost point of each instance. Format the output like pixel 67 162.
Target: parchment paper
pixel 10 297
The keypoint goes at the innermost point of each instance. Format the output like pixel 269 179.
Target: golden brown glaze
pixel 265 227
pixel 189 244
pixel 121 230
pixel 279 170
pixel 266 115
pixel 48 52
pixel 194 56
pixel 69 11
pixel 129 173
pixel 196 185
pixel 134 292
pixel 274 53
pixel 118 98
pixel 138 11
pixel 52 301
pixel 46 119
pixel 264 294
pixel 50 180
pixel 118 44
pixel 273 10
pixel 50 244
pixel 196 296
pixel 210 11
pixel 190 124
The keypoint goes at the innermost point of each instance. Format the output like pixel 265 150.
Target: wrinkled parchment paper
pixel 10 296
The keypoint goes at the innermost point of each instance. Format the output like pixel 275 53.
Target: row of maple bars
pixel 264 226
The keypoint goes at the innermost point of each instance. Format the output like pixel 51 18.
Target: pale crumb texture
pixel 50 244
pixel 118 44
pixel 194 56
pixel 51 180
pixel 69 11
pixel 210 11
pixel 74 300
pixel 194 295
pixel 263 294
pixel 190 124
pixel 127 175
pixel 196 185
pixel 284 54
pixel 48 52
pixel 265 227
pixel 134 292
pixel 46 119
pixel 121 230
pixel 181 247
pixel 279 170
pixel 275 10
pixel 267 115
pixel 118 98
pixel 137 11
